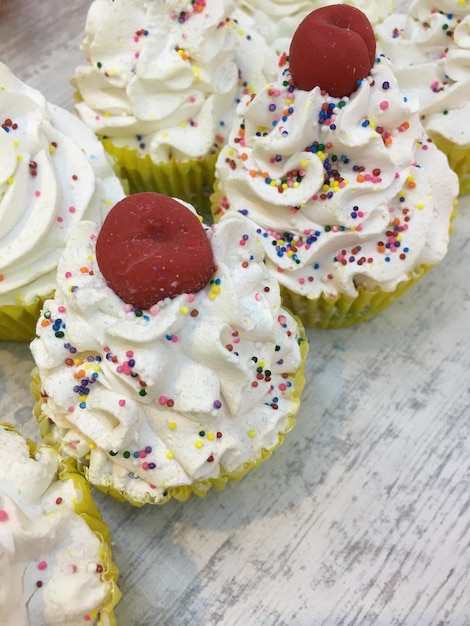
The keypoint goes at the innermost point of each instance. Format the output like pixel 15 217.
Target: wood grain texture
pixel 362 516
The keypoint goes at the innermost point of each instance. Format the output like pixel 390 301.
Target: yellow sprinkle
pixel 97 368
pixel 51 148
pixel 216 288
pixel 19 157
pixel 199 444
pixel 273 183
pixel 92 444
pixel 170 455
pixel 183 124
pixel 212 296
pixel 16 143
pixel 105 114
pixel 10 180
pixel 184 310
pixel 87 457
pixel 296 184
pixel 303 163
pixel 211 436
pixel 420 205
pixel 172 425
pixel 251 433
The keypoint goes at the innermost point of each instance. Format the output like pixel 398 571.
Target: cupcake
pixel 166 363
pixel 351 199
pixel 161 85
pixel 53 172
pixel 56 559
pixel 277 20
pixel 430 50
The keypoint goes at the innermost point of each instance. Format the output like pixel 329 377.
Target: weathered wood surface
pixel 362 516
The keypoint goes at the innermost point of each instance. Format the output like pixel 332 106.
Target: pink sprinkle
pixel 74 445
pixel 72 209
pixel 145 465
pixel 122 402
pixel 162 400
pixel 236 340
pixel 302 281
pixel 360 213
pixel 68 274
pixel 3 515
pixel 37 194
pixel 258 297
pixel 42 565
pixel 60 219
pixel 71 409
pixel 191 297
pixel 282 387
pixel 127 308
pixel 242 242
pixel 174 338
pixel 130 353
pixel 154 310
pixel 142 454
pixel 384 105
pixel 61 309
pixel 282 319
pixel 136 38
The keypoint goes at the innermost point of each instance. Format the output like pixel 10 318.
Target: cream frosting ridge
pixel 53 172
pixel 52 566
pixel 277 20
pixel 163 77
pixel 430 50
pixel 192 388
pixel 343 191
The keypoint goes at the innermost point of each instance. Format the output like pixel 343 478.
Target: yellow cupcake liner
pixel 199 487
pixel 86 508
pixel 18 321
pixel 459 159
pixel 190 180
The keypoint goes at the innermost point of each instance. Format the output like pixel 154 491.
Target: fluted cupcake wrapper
pixel 190 180
pixel 18 321
pixel 198 487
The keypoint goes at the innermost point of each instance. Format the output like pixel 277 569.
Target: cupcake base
pixel 190 180
pixel 18 321
pixel 199 487
pixel 342 310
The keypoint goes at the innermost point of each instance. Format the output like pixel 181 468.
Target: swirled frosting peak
pixel 163 77
pixel 188 390
pixel 429 47
pixel 53 172
pixel 343 191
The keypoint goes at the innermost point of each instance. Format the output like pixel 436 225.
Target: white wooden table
pixel 362 516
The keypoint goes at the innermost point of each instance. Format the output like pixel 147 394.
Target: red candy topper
pixel 333 48
pixel 151 247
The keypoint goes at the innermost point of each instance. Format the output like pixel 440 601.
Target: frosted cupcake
pixel 53 172
pixel 277 20
pixel 430 50
pixel 56 560
pixel 161 86
pixel 188 378
pixel 351 199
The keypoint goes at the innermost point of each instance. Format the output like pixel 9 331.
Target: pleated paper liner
pixel 459 159
pixel 190 180
pixel 199 487
pixel 87 510
pixel 18 321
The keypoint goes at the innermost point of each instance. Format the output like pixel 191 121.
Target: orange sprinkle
pixel 79 374
pixel 381 249
pixel 360 178
pixel 45 323
pixel 244 156
pixel 84 270
pixel 388 141
pixel 1 277
pixel 411 184
pixel 253 173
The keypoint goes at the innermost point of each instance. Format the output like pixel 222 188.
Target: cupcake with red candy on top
pixel 351 199
pixel 166 363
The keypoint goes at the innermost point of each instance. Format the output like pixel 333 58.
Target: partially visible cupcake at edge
pixel 352 201
pixel 56 560
pixel 277 20
pixel 161 85
pixel 188 378
pixel 430 50
pixel 53 172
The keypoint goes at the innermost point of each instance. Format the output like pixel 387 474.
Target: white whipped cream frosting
pixel 430 50
pixel 194 387
pixel 163 76
pixel 53 172
pixel 343 191
pixel 277 20
pixel 50 558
